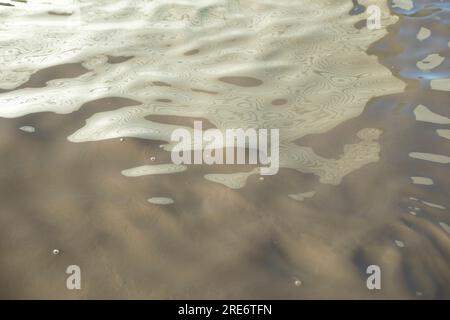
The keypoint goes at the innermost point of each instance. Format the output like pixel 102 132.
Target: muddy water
pixel 363 118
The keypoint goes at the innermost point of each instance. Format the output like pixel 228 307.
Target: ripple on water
pixel 239 82
pixel 161 200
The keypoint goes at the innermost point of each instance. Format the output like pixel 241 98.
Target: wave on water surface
pixel 216 60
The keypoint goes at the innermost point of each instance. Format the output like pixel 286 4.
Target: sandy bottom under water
pixel 387 203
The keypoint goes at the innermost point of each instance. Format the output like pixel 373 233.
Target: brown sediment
pixel 161 84
pixel 63 14
pixel 242 81
pixel 279 102
pixel 361 24
pixel 204 91
pixel 164 100
pixel 191 52
pixel 114 59
pixel 40 78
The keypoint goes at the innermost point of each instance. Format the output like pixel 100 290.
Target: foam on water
pixel 161 200
pixel 444 133
pixel 399 243
pixel 423 34
pixel 434 205
pixel 29 129
pixel 422 180
pixel 445 226
pixel 233 180
pixel 438 158
pixel 430 62
pixel 322 75
pixel 424 114
pixel 154 169
pixel 440 84
pixel 403 4
pixel 302 196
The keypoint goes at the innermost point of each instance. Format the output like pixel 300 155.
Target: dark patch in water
pixel 270 256
pixel 279 102
pixel 40 78
pixel 357 8
pixel 161 84
pixel 63 14
pixel 114 59
pixel 360 24
pixel 191 52
pixel 425 12
pixel 242 81
pixel 164 100
pixel 204 91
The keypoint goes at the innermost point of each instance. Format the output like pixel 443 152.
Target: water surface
pixel 91 90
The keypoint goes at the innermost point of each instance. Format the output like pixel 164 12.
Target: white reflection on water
pixel 249 53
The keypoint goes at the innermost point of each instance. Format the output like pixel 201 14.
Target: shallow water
pixel 91 90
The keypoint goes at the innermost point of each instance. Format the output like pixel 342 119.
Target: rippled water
pixel 91 90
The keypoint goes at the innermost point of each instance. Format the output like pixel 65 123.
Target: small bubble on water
pixel 261 178
pixel 399 243
pixel 153 158
pixel 298 283
pixel 122 139
pixel 55 251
